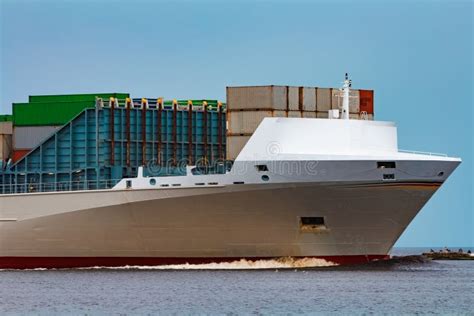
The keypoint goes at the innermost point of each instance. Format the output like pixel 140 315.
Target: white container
pixel 333 114
pixel 257 97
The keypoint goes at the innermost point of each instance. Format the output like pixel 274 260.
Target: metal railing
pixel 422 153
pixel 34 187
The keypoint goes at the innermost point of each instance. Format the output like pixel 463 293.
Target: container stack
pixel 5 138
pixel 102 143
pixel 43 115
pixel 247 106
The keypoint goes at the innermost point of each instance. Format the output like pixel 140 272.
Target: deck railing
pixel 422 153
pixel 62 186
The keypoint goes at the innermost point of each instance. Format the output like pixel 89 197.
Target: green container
pixel 6 118
pixel 76 97
pixel 47 113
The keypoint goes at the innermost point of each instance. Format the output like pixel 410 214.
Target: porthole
pixel 265 178
pixel 440 174
pixel 152 181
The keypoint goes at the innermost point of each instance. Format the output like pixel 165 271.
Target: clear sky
pixel 416 55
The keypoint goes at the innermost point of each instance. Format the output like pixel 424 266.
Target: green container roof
pixel 6 118
pixel 47 113
pixel 76 97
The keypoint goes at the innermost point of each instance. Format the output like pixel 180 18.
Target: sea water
pixel 402 286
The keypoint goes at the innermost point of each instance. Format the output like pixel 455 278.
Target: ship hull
pixel 362 221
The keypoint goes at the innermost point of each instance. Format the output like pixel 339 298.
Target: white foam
pixel 243 264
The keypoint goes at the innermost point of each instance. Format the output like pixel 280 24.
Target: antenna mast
pixel 345 101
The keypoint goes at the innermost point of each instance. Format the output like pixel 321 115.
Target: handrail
pixel 422 153
pixel 61 186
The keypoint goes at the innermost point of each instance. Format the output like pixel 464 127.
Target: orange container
pixel 367 101
pixel 19 153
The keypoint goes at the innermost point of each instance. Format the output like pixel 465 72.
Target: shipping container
pixel 5 147
pixel 322 114
pixel 354 100
pixel 6 118
pixel 6 128
pixel 294 114
pixel 323 99
pixel 258 97
pixel 367 101
pixel 307 114
pixel 309 99
pixel 47 113
pixel 76 97
pixel 245 122
pixel 100 146
pixel 18 154
pixel 293 99
pixel 280 113
pixel 28 137
pixel 235 145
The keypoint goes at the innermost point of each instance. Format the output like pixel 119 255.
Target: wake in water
pixel 395 262
pixel 243 264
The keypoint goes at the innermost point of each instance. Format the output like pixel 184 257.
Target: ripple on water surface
pixel 403 285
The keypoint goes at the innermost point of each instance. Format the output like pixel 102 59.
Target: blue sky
pixel 416 55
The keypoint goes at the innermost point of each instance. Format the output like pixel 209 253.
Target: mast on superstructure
pixel 345 101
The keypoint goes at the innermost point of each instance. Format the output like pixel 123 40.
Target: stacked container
pixel 101 145
pixel 43 115
pixel 247 106
pixel 5 138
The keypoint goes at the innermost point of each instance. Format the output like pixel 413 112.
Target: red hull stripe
pixel 82 262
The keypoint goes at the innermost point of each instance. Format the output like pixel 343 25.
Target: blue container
pixel 102 145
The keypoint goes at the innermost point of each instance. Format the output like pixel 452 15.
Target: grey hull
pixel 240 221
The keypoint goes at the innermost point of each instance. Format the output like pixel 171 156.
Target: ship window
pixel 386 165
pixel 261 168
pixel 152 181
pixel 213 183
pixel 164 185
pixel 128 184
pixel 176 184
pixel 199 183
pixel 239 182
pixel 265 178
pixel 389 176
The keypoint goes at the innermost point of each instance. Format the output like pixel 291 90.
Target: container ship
pixel 274 172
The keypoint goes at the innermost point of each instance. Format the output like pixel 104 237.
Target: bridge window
pixel 261 168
